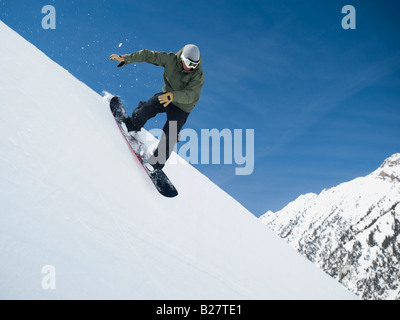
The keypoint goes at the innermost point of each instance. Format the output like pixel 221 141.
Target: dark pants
pixel 176 118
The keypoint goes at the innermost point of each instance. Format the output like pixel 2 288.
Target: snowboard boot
pixel 129 125
pixel 158 166
pixel 153 167
pixel 153 162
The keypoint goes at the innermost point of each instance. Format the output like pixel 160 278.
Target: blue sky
pixel 324 102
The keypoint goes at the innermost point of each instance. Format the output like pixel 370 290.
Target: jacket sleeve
pixel 191 94
pixel 153 57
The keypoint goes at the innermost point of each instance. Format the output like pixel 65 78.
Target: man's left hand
pixel 166 98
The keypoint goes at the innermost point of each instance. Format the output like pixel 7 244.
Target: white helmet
pixel 191 56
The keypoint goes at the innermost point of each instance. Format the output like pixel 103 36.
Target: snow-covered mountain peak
pixel 352 230
pixel 392 161
pixel 390 168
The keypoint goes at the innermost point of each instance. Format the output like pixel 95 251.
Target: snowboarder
pixel 183 80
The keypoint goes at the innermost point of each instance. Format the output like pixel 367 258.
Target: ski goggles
pixel 189 63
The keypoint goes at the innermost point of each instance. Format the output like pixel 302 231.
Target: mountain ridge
pixel 350 231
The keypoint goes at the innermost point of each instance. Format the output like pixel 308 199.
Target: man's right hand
pixel 116 57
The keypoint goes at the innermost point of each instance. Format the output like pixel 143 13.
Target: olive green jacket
pixel 185 85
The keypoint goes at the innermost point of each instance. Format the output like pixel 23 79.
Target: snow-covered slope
pixel 351 231
pixel 73 198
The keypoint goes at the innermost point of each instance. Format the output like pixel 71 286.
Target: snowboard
pixel 138 148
